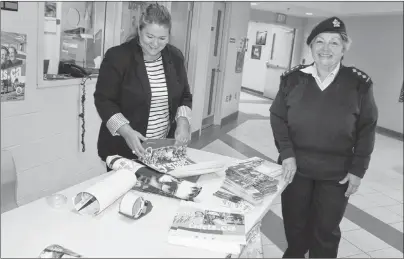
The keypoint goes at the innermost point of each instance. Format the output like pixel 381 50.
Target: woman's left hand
pixel 182 135
pixel 354 182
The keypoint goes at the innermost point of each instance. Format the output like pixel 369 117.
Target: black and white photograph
pixel 261 38
pixel 256 52
pixel 202 129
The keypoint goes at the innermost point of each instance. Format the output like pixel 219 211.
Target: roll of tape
pixel 132 205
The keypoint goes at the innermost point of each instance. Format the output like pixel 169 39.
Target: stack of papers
pixel 201 226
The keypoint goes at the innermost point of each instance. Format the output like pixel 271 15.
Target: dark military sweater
pixel 329 132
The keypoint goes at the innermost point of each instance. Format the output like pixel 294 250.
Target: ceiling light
pixel 309 13
pixel 254 4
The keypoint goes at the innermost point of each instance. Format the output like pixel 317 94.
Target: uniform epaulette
pixel 361 75
pixel 293 69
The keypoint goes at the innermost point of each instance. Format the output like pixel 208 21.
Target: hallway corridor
pixel 373 222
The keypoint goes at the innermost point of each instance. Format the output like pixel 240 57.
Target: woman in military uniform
pixel 323 120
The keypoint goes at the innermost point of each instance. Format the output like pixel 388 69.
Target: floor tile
pixel 365 189
pixel 266 240
pixel 347 249
pixel 398 226
pixel 386 253
pixel 272 251
pixel 347 225
pixel 383 214
pixel 363 255
pixel 218 147
pixel 361 202
pixel 379 199
pixel 277 209
pixel 364 240
pixel 251 108
pixel 395 194
pixel 277 200
pixel 258 135
pixel 398 209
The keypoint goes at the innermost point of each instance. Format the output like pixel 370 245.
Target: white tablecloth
pixel 27 230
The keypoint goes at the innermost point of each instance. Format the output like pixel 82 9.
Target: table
pixel 27 230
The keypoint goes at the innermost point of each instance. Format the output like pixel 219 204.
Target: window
pixel 71 41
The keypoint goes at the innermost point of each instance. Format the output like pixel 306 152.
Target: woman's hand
pixel 354 182
pixel 133 139
pixel 289 169
pixel 182 132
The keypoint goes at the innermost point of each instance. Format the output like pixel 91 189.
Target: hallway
pixel 373 222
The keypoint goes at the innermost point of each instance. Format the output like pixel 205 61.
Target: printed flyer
pixel 13 66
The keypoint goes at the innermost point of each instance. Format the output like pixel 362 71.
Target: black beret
pixel 333 24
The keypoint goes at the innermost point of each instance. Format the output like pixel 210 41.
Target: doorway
pixel 269 54
pixel 214 68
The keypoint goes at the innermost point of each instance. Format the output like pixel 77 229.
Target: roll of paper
pixel 102 194
pixel 131 205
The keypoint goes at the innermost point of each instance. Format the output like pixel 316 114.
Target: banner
pixel 13 66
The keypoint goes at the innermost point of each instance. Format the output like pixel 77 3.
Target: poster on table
pixel 13 66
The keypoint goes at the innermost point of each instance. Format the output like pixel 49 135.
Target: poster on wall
pixel 241 50
pixel 13 66
pixel 256 52
pixel 50 9
pixel 261 38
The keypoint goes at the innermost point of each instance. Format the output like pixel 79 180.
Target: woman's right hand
pixel 289 169
pixel 133 139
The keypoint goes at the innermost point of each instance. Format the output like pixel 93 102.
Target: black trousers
pixel 312 211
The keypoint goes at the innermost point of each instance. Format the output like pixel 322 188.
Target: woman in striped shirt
pixel 142 90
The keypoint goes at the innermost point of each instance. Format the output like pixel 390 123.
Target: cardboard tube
pixel 102 194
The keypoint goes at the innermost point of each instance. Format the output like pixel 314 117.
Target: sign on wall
pixel 9 5
pixel 13 66
pixel 281 18
pixel 241 50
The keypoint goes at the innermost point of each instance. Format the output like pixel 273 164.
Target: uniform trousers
pixel 312 212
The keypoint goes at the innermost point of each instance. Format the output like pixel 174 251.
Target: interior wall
pixel 199 60
pixel 298 23
pixel 239 17
pixel 377 49
pixel 42 131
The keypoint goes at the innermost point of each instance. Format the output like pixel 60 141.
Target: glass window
pixel 73 39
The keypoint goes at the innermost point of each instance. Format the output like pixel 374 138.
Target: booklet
pixel 151 181
pixel 208 227
pixel 164 156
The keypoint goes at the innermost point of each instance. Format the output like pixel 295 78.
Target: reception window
pixel 71 40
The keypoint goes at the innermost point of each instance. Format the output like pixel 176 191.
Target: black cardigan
pixel 123 87
pixel 330 132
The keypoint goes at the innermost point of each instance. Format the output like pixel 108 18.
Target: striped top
pixel 158 123
pixel 158 117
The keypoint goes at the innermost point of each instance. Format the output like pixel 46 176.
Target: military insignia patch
pixel 336 23
pixel 362 75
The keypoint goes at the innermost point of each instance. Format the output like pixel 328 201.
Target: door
pixel 279 59
pixel 258 49
pixel 181 15
pixel 214 69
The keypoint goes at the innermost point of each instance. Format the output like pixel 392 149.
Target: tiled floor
pixel 373 222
